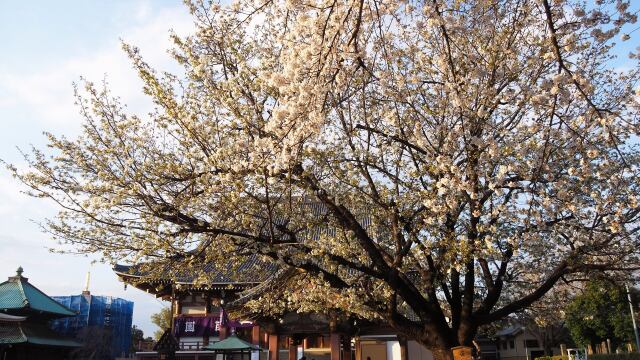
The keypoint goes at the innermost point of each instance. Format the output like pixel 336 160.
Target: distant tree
pixel 550 334
pixel 137 335
pixel 96 342
pixel 545 319
pixel 162 320
pixel 601 312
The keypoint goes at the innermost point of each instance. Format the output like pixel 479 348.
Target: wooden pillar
pixel 404 348
pixel 293 349
pixel 346 348
pixel 255 335
pixel 223 332
pixel 207 312
pixel 178 309
pixel 273 346
pixel 334 345
pixel 173 313
pixel 358 349
pixel 178 306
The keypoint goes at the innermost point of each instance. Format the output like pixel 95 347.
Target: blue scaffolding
pixel 105 312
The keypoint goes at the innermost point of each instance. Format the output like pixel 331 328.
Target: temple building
pixel 25 314
pixel 200 320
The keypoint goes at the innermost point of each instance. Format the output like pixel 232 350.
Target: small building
pixel 107 316
pixel 25 313
pixel 515 342
pixel 145 345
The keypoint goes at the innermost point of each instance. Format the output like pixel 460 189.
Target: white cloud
pixel 43 100
pixel 48 92
pixel 10 196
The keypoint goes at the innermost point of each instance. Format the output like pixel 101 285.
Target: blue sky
pixel 46 45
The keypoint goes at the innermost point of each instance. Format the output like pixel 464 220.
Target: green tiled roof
pixel 39 334
pixel 18 294
pixel 231 344
pixel 10 333
pixel 42 335
pixel 12 296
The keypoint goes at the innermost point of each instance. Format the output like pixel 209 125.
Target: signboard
pixel 197 326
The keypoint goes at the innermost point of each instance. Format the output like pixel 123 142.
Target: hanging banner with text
pixel 197 326
pixel 205 325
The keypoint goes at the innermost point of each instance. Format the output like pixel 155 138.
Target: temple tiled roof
pixel 252 270
pixel 18 296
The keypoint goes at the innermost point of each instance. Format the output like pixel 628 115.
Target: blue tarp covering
pixel 111 314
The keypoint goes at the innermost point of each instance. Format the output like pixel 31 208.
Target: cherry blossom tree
pixel 437 165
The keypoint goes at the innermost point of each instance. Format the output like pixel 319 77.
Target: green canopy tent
pixel 232 348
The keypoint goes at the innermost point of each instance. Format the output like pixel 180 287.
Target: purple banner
pixel 205 325
pixel 197 326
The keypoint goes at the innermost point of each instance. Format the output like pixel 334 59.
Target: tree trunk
pixel 439 340
pixel 547 347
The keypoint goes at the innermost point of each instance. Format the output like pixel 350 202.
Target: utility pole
pixel 633 319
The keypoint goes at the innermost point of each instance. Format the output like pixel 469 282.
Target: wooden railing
pixel 191 345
